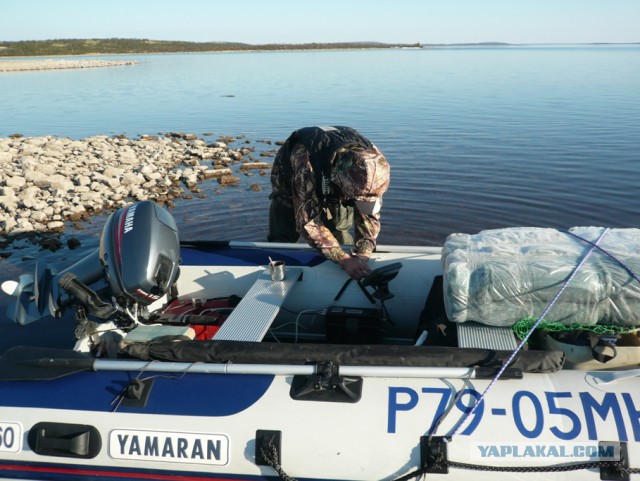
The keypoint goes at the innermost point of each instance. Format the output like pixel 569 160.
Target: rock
pixel 55 226
pixel 8 203
pixel 255 165
pixel 115 172
pixel 24 226
pixel 191 180
pixel 47 181
pixel 73 243
pixel 133 178
pixel 8 224
pixel 216 173
pixel 82 180
pixel 39 216
pixel 46 169
pixel 228 180
pixel 7 192
pixel 29 197
pixel 51 243
pixel 15 182
pixel 60 182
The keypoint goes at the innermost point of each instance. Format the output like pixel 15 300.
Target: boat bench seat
pixel 475 335
pixel 252 317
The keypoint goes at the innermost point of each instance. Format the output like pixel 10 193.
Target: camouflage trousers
pixel 282 222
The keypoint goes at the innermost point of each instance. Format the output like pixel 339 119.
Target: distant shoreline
pixel 119 46
pixel 30 65
pixel 115 46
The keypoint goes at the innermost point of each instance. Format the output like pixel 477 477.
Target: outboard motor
pixel 136 263
pixel 140 252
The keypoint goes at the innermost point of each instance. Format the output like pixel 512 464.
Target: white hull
pixel 203 421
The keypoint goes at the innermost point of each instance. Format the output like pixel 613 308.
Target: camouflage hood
pixel 361 174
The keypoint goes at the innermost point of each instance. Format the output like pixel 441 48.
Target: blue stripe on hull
pixel 171 393
pixel 191 256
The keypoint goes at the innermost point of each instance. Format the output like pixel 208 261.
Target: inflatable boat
pixel 214 360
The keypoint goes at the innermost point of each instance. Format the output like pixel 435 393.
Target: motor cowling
pixel 140 252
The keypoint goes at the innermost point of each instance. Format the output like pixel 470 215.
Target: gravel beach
pixel 51 64
pixel 47 181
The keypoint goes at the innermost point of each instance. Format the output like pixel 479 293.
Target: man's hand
pixel 356 267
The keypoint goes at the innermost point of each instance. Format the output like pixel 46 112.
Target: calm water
pixel 478 138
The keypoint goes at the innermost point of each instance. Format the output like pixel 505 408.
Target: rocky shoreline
pixel 48 181
pixel 51 64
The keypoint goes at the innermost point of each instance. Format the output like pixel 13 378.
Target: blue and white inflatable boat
pixel 192 364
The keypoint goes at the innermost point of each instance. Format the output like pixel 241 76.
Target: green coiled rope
pixel 523 326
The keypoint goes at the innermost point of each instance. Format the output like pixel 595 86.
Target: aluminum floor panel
pixel 252 317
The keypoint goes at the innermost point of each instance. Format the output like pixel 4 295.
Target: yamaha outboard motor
pixel 140 252
pixel 136 264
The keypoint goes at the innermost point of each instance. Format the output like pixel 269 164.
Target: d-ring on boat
pixel 510 354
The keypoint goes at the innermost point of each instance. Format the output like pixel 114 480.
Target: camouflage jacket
pixel 295 184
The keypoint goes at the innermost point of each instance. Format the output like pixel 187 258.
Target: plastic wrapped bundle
pixel 498 277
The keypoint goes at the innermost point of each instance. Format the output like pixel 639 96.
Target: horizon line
pixel 370 42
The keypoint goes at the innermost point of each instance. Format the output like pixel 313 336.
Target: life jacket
pixel 322 143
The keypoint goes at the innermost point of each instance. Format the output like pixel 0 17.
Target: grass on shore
pixel 36 48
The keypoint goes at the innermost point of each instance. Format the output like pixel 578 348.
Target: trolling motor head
pixel 379 280
pixel 137 262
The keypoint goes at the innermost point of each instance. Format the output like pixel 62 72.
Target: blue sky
pixel 304 21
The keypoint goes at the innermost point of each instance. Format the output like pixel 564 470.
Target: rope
pixel 524 325
pixel 531 469
pixel 607 253
pixel 271 457
pixel 414 474
pixel 441 462
pixel 526 337
pixel 453 402
pixel 542 469
pixel 120 397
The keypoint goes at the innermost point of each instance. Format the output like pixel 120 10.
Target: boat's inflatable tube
pixel 348 355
